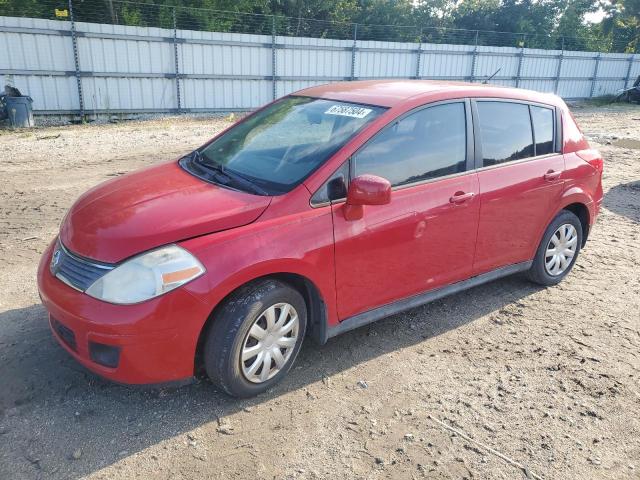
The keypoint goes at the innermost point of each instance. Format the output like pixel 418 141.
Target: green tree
pixel 622 25
pixel 531 23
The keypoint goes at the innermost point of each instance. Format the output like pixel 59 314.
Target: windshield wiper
pixel 220 169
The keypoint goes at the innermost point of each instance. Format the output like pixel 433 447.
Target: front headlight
pixel 147 276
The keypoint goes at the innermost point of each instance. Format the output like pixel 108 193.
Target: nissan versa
pixel 321 212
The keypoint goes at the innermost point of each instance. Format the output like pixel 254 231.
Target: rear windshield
pixel 280 146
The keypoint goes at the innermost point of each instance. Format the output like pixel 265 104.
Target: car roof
pixel 391 93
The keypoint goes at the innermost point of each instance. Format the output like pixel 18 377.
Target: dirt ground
pixel 507 380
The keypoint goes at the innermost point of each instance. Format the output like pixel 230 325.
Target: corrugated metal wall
pixel 146 69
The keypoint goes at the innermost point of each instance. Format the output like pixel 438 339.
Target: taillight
pixel 592 157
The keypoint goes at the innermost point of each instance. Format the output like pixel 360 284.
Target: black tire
pixel 231 324
pixel 538 272
pixel 622 97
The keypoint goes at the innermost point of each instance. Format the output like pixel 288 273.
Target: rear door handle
pixel 460 197
pixel 552 175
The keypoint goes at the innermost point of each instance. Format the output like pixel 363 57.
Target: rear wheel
pixel 558 250
pixel 255 338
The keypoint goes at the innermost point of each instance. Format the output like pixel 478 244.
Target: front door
pixel 425 238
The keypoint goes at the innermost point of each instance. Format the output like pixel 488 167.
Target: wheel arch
pixel 580 203
pixel 581 211
pixel 318 320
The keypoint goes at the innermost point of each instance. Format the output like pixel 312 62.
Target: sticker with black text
pixel 348 111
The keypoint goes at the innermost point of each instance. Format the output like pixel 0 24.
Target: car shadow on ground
pixel 623 200
pixel 50 405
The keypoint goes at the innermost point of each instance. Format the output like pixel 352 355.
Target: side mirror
pixel 366 190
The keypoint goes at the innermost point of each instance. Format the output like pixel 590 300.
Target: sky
pixel 594 17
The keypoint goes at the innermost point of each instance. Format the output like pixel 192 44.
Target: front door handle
pixel 552 175
pixel 460 197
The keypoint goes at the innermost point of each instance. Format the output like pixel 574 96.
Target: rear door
pixel 425 237
pixel 520 173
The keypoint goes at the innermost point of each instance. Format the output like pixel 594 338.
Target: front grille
pixel 75 271
pixel 65 333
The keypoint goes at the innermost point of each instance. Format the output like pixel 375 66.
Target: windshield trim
pixel 342 100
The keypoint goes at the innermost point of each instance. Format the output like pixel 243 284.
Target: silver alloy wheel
pixel 561 249
pixel 269 343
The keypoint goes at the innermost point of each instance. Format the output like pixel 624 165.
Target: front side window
pixel 335 188
pixel 543 129
pixel 278 147
pixel 505 132
pixel 427 144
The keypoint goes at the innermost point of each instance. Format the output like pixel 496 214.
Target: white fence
pixel 106 68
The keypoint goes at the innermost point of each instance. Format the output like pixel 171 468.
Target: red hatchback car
pixel 323 211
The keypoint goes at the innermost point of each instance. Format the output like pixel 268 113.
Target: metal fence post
pixel 419 53
pixel 76 58
pixel 520 61
pixel 175 55
pixel 628 79
pixel 273 56
pixel 595 75
pixel 474 59
pixel 558 71
pixel 353 51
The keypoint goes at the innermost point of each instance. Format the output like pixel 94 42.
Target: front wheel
pixel 558 250
pixel 255 337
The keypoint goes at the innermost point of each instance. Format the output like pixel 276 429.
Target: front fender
pixel 300 244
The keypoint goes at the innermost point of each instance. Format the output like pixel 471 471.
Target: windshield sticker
pixel 348 111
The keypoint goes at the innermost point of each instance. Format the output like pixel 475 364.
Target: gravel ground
pixel 507 380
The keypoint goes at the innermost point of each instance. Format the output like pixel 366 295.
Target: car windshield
pixel 281 145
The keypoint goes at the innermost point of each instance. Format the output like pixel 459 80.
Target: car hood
pixel 153 207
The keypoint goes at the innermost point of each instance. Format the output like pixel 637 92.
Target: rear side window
pixel 542 129
pixel 505 132
pixel 427 144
